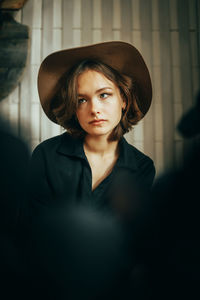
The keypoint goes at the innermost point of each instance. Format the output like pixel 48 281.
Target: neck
pixel 100 145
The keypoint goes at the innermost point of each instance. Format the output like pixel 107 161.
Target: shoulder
pixel 140 158
pixel 139 162
pixel 53 143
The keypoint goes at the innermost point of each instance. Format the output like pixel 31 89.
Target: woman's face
pixel 99 104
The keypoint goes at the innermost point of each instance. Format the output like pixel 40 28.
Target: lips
pixel 97 122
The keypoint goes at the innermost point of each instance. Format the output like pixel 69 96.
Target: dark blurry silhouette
pixel 14 161
pixel 78 251
pixel 189 125
pixel 174 260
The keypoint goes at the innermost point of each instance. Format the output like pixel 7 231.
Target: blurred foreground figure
pixel 189 125
pixel 78 251
pixel 14 160
pixel 176 261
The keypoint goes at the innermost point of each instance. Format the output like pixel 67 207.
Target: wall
pixel 166 32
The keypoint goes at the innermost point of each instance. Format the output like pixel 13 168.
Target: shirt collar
pixel 127 158
pixel 73 147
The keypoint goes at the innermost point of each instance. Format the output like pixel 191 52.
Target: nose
pixel 95 106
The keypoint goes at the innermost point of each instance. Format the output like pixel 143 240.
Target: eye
pixel 81 100
pixel 104 95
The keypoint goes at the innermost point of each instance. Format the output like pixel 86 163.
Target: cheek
pixel 80 114
pixel 116 109
pixel 82 117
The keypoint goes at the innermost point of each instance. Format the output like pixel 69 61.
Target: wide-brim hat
pixel 121 56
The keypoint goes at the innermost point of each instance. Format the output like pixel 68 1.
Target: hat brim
pixel 121 56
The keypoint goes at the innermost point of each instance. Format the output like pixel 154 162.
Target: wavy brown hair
pixel 66 102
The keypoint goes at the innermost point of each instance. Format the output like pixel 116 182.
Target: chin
pixel 99 134
pixel 99 131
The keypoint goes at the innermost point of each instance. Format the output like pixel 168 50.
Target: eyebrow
pixel 104 88
pixel 97 91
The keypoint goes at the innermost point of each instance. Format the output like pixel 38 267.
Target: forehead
pixel 93 79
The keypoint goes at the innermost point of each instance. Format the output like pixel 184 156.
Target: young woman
pixel 97 93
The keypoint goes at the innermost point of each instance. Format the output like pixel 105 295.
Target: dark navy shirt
pixel 60 172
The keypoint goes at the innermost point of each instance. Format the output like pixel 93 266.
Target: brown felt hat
pixel 121 56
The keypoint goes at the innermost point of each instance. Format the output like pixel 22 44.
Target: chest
pixel 100 168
